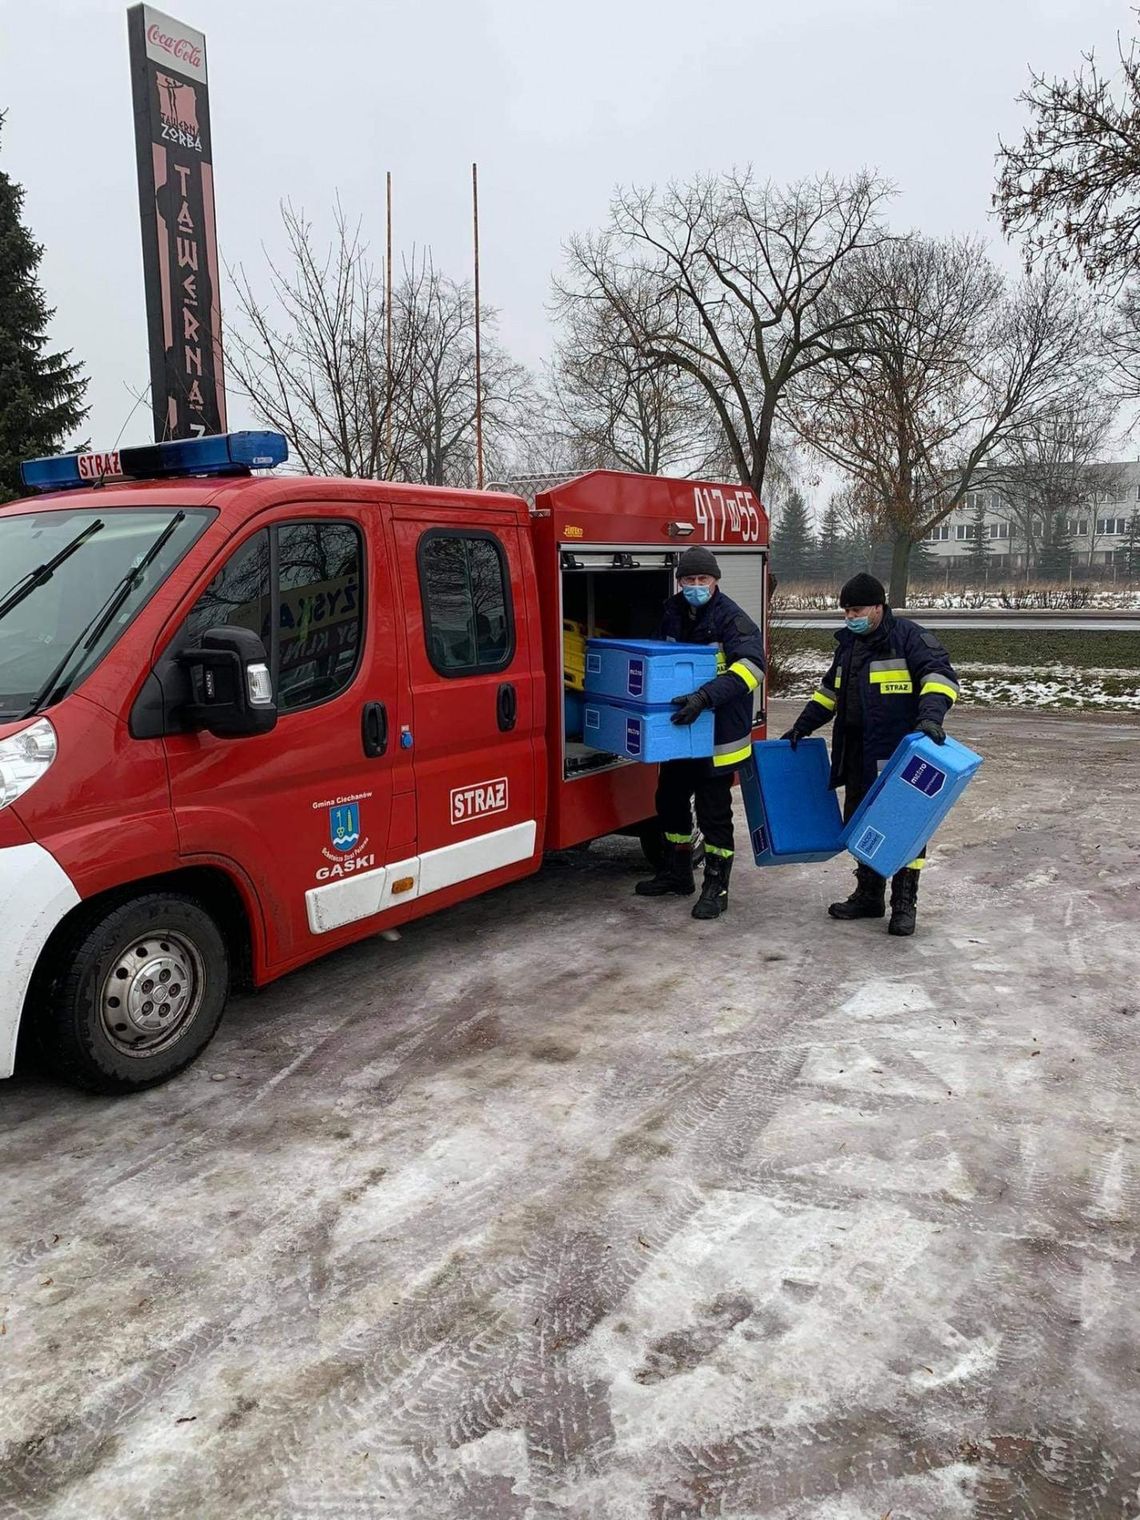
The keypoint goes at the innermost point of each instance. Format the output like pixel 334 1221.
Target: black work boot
pixel 675 874
pixel 713 900
pixel 868 899
pixel 904 902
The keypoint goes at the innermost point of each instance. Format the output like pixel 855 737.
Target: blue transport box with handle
pixel 649 672
pixel 913 793
pixel 645 733
pixel 792 816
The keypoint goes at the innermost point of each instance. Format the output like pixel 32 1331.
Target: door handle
pixel 508 707
pixel 374 729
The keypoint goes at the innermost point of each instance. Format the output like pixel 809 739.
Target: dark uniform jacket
pixel 740 659
pixel 884 683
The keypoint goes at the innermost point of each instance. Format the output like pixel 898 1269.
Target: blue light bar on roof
pixel 217 454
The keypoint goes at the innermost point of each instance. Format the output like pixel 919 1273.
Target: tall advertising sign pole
pixel 180 245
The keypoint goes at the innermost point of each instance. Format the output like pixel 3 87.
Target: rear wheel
pixel 139 991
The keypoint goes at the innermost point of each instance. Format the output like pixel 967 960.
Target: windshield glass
pixel 58 571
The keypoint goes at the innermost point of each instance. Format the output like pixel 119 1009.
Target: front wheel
pixel 139 991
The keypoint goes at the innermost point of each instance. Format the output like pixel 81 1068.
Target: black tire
pixel 124 943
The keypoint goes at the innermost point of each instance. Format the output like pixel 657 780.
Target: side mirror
pixel 231 689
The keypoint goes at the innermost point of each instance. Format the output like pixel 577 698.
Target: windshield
pixel 59 571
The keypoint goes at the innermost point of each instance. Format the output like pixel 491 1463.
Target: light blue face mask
pixel 859 625
pixel 696 596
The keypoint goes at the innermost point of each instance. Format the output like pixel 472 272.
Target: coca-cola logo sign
pixel 174 45
pixel 178 47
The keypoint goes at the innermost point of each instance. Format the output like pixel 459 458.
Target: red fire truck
pixel 246 720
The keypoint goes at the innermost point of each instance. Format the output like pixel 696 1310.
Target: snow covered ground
pixel 1055 687
pixel 1012 598
pixel 565 1207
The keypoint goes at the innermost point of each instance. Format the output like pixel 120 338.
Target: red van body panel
pixel 471 780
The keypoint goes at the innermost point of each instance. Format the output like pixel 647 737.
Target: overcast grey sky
pixel 558 103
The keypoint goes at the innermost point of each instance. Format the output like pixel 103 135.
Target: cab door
pixel 306 811
pixel 476 692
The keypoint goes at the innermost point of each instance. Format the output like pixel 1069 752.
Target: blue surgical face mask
pixel 859 625
pixel 696 596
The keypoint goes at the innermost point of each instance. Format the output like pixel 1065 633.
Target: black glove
pixel 793 735
pixel 932 730
pixel 691 707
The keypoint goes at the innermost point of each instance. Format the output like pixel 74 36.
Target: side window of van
pixel 319 574
pixel 238 594
pixel 309 615
pixel 465 590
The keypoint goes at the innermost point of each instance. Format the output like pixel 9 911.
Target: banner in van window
pixel 176 204
pixel 320 622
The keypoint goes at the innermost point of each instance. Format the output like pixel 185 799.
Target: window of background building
pixel 1108 526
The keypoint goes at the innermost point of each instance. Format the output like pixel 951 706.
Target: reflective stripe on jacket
pixel 740 666
pixel 902 675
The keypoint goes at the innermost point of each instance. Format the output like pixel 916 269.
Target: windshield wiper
pixel 90 635
pixel 44 572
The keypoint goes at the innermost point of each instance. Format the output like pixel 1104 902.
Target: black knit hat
pixel 698 561
pixel 863 590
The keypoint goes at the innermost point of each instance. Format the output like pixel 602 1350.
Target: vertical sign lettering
pixel 176 202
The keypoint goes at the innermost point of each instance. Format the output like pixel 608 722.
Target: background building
pixel 1090 525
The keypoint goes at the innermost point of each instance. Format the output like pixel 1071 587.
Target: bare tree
pixel 1071 187
pixel 730 282
pixel 618 411
pixel 310 355
pixel 434 324
pixel 1050 466
pixel 951 368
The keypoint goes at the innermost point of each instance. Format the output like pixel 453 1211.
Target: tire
pixel 100 1025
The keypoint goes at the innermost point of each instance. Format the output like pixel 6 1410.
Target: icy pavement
pixel 567 1206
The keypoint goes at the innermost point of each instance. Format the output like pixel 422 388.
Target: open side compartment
pixel 607 593
pixel 604 594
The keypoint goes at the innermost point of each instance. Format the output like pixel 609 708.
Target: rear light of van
pixel 24 758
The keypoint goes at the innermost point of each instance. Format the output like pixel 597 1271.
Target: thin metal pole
pixel 478 346
pixel 388 398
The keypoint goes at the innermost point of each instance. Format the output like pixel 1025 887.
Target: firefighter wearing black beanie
pixel 700 613
pixel 863 590
pixel 888 678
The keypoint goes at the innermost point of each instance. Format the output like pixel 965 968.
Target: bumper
pixel 36 894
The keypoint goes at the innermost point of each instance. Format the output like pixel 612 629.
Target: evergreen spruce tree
pixel 1128 561
pixel 830 558
pixel 793 542
pixel 924 564
pixel 1056 554
pixel 41 394
pixel 978 546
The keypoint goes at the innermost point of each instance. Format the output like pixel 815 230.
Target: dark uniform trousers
pixel 710 787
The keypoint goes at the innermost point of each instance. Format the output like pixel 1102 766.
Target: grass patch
pixel 1094 649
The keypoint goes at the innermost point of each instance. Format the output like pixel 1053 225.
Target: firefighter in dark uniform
pixel 700 613
pixel 888 678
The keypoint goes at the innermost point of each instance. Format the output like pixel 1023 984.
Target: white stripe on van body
pixel 337 903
